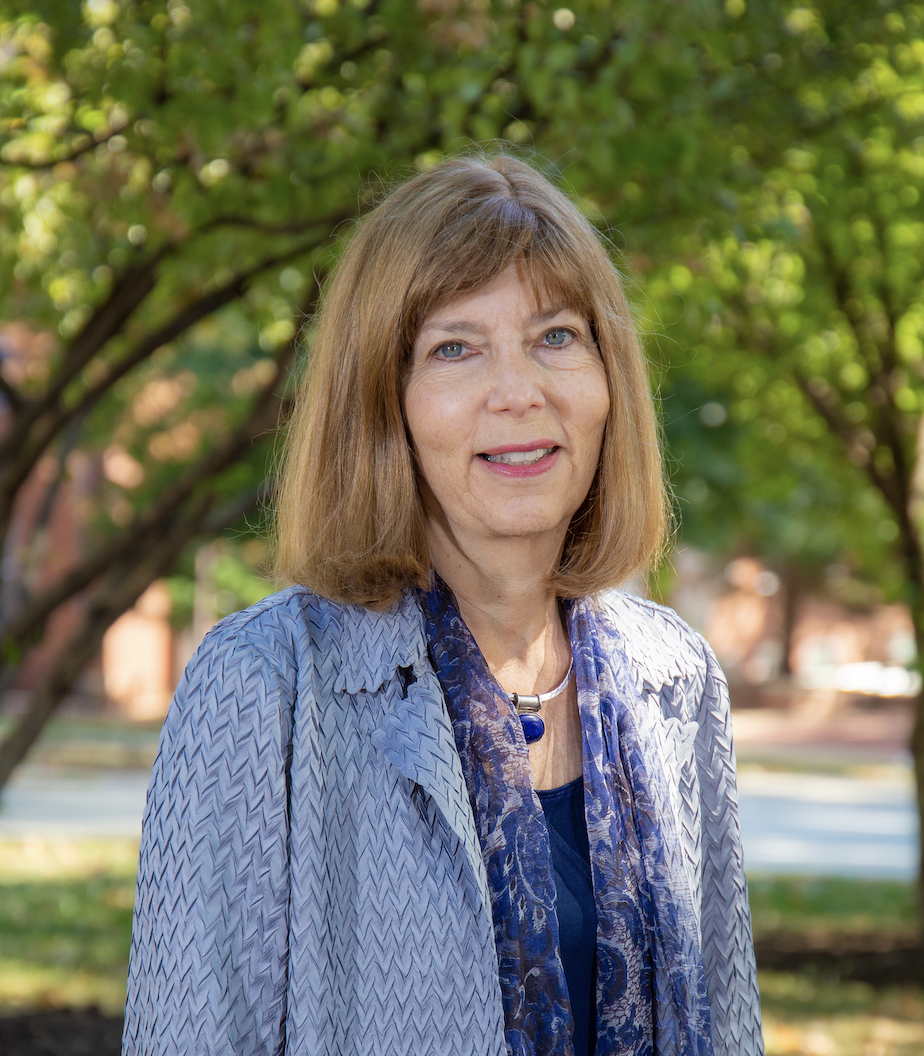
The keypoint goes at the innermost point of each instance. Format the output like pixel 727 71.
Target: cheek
pixel 439 418
pixel 431 435
pixel 595 408
pixel 416 417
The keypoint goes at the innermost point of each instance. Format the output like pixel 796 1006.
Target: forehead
pixel 512 295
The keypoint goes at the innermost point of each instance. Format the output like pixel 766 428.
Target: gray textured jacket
pixel 311 881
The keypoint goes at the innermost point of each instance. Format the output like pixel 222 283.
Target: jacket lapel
pixel 413 732
pixel 416 738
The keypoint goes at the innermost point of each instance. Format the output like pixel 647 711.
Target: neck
pixel 512 615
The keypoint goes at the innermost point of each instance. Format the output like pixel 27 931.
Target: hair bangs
pixel 480 245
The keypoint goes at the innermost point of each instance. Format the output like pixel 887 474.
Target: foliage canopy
pixel 176 179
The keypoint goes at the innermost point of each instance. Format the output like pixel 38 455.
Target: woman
pixel 452 794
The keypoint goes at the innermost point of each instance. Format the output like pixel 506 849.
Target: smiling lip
pixel 504 449
pixel 517 462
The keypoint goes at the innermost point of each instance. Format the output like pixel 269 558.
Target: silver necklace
pixel 529 705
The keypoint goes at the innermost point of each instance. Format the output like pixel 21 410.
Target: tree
pixel 174 182
pixel 802 309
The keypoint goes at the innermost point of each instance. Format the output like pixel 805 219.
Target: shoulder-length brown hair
pixel 350 521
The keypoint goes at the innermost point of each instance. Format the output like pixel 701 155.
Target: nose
pixel 515 383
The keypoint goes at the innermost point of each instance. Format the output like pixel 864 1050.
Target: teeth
pixel 519 458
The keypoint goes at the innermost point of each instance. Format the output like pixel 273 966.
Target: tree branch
pixel 121 590
pixel 105 323
pixel 91 143
pixel 847 434
pixel 881 358
pixel 21 464
pixel 888 486
pixel 115 596
pixel 232 512
pixel 839 282
pixel 328 222
pixel 265 413
pixel 11 396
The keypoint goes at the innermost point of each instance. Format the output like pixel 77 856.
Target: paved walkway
pixel 39 801
pixel 791 823
pixel 813 824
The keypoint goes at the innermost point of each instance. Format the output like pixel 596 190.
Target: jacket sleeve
pixel 728 950
pixel 209 953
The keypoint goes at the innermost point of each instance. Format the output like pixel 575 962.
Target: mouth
pixel 519 458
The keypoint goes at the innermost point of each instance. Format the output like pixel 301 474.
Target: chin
pixel 525 523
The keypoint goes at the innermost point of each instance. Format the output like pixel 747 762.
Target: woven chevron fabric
pixel 299 892
pixel 679 679
pixel 651 994
pixel 311 879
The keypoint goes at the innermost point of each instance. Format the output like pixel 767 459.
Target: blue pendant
pixel 533 727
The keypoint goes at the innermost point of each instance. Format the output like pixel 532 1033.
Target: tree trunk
pixel 917 755
pixel 916 746
pixel 116 594
pixel 792 594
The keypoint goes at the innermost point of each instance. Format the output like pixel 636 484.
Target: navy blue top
pixel 577 918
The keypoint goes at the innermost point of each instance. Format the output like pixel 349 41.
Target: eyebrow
pixel 465 326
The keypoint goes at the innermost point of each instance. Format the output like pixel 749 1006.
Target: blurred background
pixel 175 183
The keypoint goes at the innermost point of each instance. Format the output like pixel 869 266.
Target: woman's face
pixel 506 402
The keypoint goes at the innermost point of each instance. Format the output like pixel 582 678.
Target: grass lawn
pixel 824 904
pixel 812 1014
pixel 65 923
pixel 805 1015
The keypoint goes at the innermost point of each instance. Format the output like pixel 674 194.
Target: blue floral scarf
pixel 651 991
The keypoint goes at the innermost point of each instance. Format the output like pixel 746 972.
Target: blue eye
pixel 557 336
pixel 449 350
